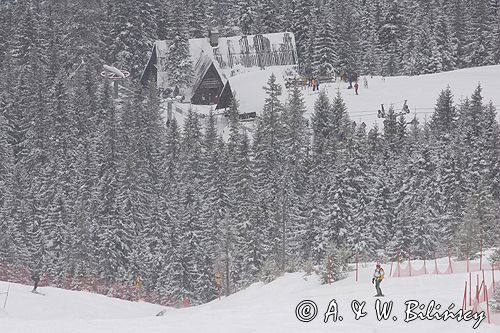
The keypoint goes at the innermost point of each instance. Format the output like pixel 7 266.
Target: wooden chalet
pixel 216 59
pixel 207 84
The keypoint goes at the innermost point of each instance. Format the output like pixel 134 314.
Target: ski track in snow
pixel 259 308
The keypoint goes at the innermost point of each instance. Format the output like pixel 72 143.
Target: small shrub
pixel 338 264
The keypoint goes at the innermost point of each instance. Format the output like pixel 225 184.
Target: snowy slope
pixel 57 304
pixel 420 91
pixel 260 308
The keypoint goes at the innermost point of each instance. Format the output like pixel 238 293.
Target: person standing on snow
pixel 356 86
pixel 378 276
pixel 36 278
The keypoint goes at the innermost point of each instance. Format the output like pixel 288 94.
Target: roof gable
pixel 233 55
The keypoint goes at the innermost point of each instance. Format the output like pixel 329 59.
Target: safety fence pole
pixel 356 268
pixel 481 257
pixel 470 289
pixel 392 262
pixel 487 303
pixel 464 301
pixel 493 276
pixel 409 261
pixel 329 271
pixel 449 261
pixel 484 281
pixel 435 264
pixel 477 288
pixel 468 267
pixel 399 267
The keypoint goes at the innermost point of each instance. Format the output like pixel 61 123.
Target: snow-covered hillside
pixel 421 91
pixel 260 308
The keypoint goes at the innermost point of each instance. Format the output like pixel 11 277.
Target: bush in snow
pixel 495 256
pixel 270 271
pixel 338 264
pixel 383 257
pixel 495 300
pixel 308 267
pixel 467 239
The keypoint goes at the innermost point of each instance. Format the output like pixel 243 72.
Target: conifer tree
pixel 479 35
pixel 390 34
pixel 295 142
pixel 112 239
pixel 7 250
pixel 178 60
pixel 325 57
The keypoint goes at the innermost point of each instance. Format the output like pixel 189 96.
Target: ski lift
pixel 404 110
pixel 381 112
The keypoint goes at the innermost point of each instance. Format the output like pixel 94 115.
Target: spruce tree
pixel 178 59
pixel 325 57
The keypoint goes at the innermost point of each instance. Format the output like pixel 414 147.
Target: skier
pixel 378 276
pixel 317 84
pixel 36 278
pixel 356 86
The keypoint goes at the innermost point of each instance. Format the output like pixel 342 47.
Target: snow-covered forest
pixel 368 36
pixel 91 186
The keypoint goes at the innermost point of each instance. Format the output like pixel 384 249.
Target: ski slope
pixel 421 92
pixel 260 308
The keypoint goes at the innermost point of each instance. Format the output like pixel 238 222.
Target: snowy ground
pixel 260 308
pixel 420 91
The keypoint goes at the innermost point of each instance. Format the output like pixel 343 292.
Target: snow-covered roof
pixel 233 55
pixel 200 68
pixel 238 54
